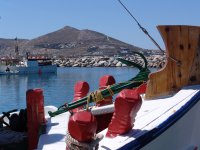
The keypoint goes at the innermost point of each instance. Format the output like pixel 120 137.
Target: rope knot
pixel 95 96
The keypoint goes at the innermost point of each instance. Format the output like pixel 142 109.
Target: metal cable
pixel 142 28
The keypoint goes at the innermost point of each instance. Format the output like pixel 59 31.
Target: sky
pixel 29 19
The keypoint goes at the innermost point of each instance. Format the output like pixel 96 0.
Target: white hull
pixel 167 123
pixel 183 135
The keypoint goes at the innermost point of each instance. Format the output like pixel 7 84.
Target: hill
pixel 67 42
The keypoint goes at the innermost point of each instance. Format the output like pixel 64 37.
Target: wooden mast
pixel 183 61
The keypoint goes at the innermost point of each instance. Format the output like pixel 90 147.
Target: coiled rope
pixel 73 144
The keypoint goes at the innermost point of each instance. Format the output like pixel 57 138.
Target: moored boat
pixel 152 111
pixel 31 65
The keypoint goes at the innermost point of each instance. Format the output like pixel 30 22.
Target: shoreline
pixel 154 61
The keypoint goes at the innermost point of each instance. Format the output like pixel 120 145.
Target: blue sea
pixel 57 88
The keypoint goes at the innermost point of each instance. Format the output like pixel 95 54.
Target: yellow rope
pixel 95 97
pixel 110 90
pixel 88 101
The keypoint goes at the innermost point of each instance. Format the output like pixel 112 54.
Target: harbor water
pixel 57 88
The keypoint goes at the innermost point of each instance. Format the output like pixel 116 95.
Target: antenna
pixel 142 28
pixel 16 47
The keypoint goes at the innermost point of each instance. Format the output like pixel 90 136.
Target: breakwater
pixel 154 61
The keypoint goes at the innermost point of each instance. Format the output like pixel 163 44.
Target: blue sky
pixel 32 18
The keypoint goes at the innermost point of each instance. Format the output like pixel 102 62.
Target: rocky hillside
pixel 69 42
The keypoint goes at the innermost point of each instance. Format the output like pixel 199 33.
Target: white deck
pixel 151 114
pixel 54 139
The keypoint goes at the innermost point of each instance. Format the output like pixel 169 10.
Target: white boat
pixel 169 123
pixel 167 117
pixel 32 65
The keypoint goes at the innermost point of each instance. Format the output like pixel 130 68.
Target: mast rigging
pixel 142 28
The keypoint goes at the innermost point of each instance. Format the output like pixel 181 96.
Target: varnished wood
pixel 183 61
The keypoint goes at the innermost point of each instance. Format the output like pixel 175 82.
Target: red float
pixel 82 126
pixel 81 89
pixel 35 116
pixel 127 105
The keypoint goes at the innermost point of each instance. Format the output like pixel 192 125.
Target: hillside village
pixel 71 47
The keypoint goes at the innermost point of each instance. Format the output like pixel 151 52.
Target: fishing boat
pixel 30 65
pixel 164 116
pixel 161 115
pixel 152 111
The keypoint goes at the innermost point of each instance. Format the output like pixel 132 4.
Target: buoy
pixel 82 126
pixel 127 104
pixel 35 116
pixel 81 89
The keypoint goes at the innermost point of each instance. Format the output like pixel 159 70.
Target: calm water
pixel 57 88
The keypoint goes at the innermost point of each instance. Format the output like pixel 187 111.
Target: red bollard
pixel 127 104
pixel 103 120
pixel 141 89
pixel 104 82
pixel 35 116
pixel 81 89
pixel 82 126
